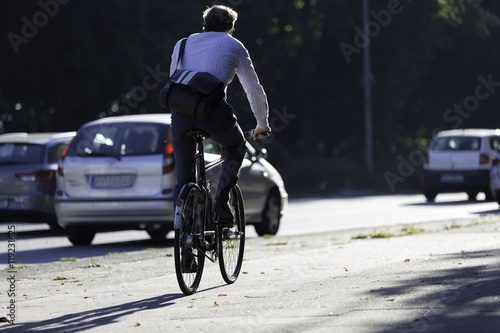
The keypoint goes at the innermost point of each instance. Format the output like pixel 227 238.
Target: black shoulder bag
pixel 191 93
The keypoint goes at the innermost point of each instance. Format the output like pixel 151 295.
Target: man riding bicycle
pixel 215 51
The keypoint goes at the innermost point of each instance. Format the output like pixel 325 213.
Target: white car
pixel 119 173
pixel 460 161
pixel 495 179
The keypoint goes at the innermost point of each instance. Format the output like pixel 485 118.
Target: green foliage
pixel 375 234
pixel 68 259
pixel 411 231
pixel 88 59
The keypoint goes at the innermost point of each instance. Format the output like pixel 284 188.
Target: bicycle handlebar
pixel 260 136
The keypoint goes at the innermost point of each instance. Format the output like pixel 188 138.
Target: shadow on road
pixel 458 203
pixel 29 230
pixel 488 212
pixel 461 299
pixel 448 203
pixel 39 256
pixel 91 319
pixel 56 252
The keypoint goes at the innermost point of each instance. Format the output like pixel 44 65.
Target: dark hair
pixel 219 18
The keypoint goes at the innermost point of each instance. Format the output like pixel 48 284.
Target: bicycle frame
pixel 198 233
pixel 208 243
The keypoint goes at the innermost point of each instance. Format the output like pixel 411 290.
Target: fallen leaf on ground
pixel 63 278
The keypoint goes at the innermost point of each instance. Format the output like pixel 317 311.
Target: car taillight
pixel 168 159
pixel 484 159
pixel 426 156
pixel 60 169
pixel 495 162
pixel 34 176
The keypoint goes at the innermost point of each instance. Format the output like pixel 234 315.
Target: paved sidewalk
pixel 446 279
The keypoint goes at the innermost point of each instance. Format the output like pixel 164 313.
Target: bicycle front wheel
pixel 231 241
pixel 189 259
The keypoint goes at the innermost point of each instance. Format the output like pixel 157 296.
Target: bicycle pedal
pixel 230 233
pixel 205 245
pixel 190 240
pixel 193 240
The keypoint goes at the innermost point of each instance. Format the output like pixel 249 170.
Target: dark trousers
pixel 223 129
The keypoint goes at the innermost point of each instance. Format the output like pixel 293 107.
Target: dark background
pixel 63 63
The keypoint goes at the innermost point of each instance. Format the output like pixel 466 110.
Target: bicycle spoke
pixel 189 260
pixel 231 241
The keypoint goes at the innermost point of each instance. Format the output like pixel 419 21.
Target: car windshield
pixel 495 143
pixel 457 143
pixel 20 153
pixel 119 139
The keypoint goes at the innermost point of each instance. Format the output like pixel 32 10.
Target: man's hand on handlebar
pixel 261 133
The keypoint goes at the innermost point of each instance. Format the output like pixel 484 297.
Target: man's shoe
pixel 226 218
pixel 188 263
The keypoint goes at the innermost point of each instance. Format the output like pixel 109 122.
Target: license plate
pixel 452 178
pixel 4 204
pixel 112 181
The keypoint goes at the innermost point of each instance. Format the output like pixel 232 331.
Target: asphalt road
pixel 444 279
pixel 35 243
pixel 308 216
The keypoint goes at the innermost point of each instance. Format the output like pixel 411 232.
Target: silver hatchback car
pixel 119 173
pixel 28 164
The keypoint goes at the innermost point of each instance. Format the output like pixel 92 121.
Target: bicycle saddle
pixel 196 133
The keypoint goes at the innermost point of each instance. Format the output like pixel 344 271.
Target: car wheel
pixel 488 195
pixel 159 233
pixel 497 196
pixel 271 216
pixel 80 235
pixel 54 227
pixel 430 196
pixel 472 195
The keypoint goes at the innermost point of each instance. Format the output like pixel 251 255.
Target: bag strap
pixel 181 50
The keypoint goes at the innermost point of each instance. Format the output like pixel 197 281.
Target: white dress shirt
pixel 223 56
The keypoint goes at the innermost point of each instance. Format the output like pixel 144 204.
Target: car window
pixel 19 153
pixel 119 139
pixel 211 147
pixel 495 143
pixel 457 143
pixel 55 152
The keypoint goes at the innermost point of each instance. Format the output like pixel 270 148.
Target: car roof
pixel 469 132
pixel 146 118
pixel 37 138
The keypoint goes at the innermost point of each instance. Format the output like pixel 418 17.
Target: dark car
pixel 28 166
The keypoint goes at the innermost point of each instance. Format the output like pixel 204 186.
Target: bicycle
pixel 197 231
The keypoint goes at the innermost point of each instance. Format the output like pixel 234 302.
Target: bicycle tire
pixel 231 241
pixel 192 213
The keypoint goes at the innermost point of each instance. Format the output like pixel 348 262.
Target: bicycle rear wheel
pixel 187 242
pixel 231 241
